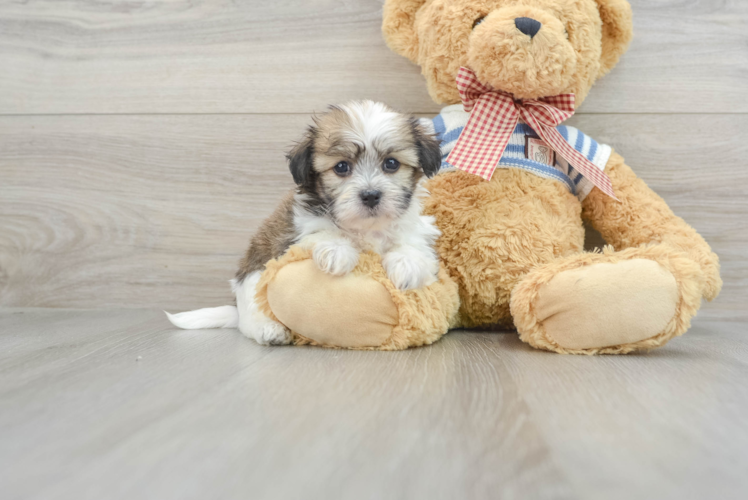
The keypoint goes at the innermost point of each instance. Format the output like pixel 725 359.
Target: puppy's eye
pixel 342 168
pixel 390 165
pixel 478 21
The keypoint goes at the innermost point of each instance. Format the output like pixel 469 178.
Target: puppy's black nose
pixel 528 26
pixel 371 198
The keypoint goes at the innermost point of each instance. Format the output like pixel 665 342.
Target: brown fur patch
pixel 271 241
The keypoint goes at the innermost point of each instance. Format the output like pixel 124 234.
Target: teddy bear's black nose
pixel 529 27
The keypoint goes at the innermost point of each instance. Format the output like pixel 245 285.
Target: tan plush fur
pixel 503 240
pixel 422 315
pixel 494 233
pixel 685 271
pixel 580 41
pixel 643 218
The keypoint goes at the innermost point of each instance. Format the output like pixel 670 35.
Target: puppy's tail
pixel 209 317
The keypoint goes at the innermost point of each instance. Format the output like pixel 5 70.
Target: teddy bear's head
pixel 529 48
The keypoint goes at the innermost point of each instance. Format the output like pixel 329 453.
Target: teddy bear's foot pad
pixel 348 311
pixel 360 310
pixel 607 304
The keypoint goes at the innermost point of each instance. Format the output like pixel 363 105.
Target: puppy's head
pixel 361 162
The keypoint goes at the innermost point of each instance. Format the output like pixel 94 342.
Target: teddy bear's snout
pixel 528 26
pixel 522 50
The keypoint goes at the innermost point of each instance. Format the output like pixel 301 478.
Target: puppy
pixel 359 172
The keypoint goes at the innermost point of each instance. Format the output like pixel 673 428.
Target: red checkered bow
pixel 493 118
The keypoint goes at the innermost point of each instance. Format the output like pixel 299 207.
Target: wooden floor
pixel 117 404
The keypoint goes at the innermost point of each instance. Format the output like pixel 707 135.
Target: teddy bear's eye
pixel 478 21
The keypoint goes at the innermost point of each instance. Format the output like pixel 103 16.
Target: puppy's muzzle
pixel 371 198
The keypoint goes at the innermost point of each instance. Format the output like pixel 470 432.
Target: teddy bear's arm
pixel 641 217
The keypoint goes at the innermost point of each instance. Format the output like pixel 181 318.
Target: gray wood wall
pixel 142 142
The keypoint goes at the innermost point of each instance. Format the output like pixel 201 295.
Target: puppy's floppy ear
pixel 398 26
pixel 618 29
pixel 301 157
pixel 429 152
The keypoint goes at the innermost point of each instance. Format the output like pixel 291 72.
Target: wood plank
pixel 134 408
pixel 139 211
pixel 118 404
pixel 297 56
pixel 645 426
pixel 128 202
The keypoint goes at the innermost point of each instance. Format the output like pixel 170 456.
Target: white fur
pixel 407 268
pixel 209 317
pixel 406 243
pixel 252 322
pixel 370 121
pixel 246 315
pixel 335 256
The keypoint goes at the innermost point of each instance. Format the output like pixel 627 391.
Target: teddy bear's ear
pixel 617 31
pixel 398 26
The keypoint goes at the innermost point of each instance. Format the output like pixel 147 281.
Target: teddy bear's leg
pixel 361 310
pixel 610 302
pixel 636 295
pixel 643 218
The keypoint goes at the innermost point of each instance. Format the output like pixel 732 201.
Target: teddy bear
pixel 514 189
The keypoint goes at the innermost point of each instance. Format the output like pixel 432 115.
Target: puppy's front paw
pixel 336 257
pixel 410 269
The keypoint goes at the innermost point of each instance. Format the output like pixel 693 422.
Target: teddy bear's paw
pixel 410 269
pixel 603 307
pixel 336 257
